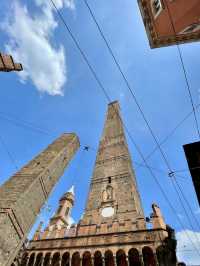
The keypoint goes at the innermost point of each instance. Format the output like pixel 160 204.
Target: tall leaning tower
pixel 112 230
pixel 23 194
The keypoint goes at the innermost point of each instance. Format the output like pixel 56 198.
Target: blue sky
pixel 57 93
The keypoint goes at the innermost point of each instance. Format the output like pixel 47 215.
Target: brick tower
pixel 112 230
pixel 23 195
pixel 113 192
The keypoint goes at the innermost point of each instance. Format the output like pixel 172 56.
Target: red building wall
pixel 183 13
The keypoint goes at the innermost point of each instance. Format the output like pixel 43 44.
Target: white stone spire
pixel 71 190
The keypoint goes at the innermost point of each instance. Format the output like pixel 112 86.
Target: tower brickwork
pixel 112 230
pixel 113 194
pixel 22 196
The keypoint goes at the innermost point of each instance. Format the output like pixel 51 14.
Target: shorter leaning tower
pixel 60 222
pixel 113 230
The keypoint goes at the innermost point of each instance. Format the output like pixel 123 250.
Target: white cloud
pixel 185 249
pixel 30 43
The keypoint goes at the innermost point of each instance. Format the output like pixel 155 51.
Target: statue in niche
pixel 107 194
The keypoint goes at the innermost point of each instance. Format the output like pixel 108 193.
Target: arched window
pixel 134 257
pixel 86 260
pixel 121 258
pixel 38 261
pixel 148 257
pixel 31 260
pixel 56 259
pixel 75 259
pixel 65 259
pixel 98 259
pixel 47 259
pixel 109 259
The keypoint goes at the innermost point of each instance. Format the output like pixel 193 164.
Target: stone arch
pixel 98 259
pixel 148 257
pixel 87 260
pixel 31 260
pixel 76 261
pixel 47 259
pixel 109 259
pixel 121 258
pixel 38 260
pixel 56 259
pixel 134 257
pixel 24 259
pixel 65 259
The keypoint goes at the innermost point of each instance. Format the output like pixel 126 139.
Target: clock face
pixel 107 212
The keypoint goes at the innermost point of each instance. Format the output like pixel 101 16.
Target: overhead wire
pixel 172 132
pixel 139 106
pixel 27 125
pixel 186 170
pixel 108 98
pixel 30 126
pixel 22 123
pixel 184 70
pixel 10 156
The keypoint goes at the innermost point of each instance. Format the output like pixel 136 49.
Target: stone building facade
pixel 113 229
pixel 168 22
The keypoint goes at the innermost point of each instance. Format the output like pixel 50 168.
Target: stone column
pixel 115 260
pixel 127 261
pixel 42 261
pixel 70 261
pixel 141 260
pixel 50 261
pixel 156 259
pixel 92 260
pixel 81 261
pixel 27 261
pixel 59 261
pixel 34 261
pixel 103 261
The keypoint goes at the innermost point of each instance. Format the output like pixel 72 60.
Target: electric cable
pixel 184 70
pixel 9 153
pixel 22 123
pixel 27 125
pixel 172 132
pixel 135 99
pixel 108 98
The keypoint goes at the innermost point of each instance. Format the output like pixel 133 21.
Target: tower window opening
pixel 59 209
pixel 109 180
pixel 157 7
pixel 67 212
